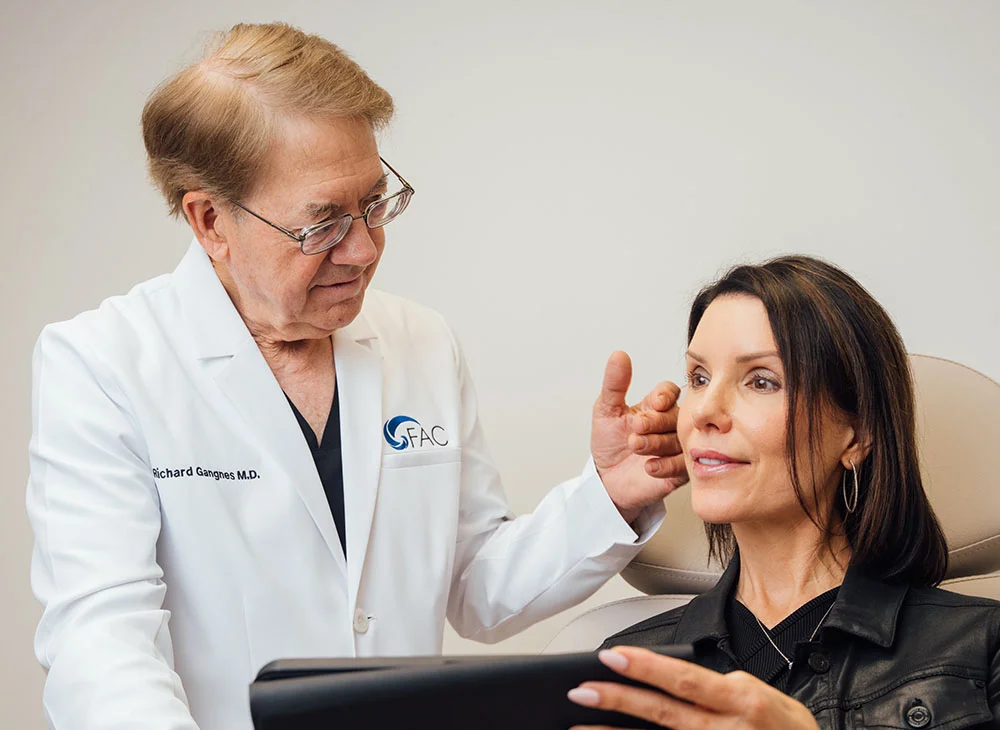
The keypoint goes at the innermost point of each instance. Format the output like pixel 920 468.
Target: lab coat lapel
pixel 217 332
pixel 359 377
pixel 251 386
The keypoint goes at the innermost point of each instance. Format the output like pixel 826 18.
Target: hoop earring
pixel 850 504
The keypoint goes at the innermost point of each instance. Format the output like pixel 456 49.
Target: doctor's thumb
pixel 617 376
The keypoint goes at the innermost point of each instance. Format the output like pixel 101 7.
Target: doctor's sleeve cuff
pixel 637 533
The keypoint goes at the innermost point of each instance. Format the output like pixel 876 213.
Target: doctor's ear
pixel 209 223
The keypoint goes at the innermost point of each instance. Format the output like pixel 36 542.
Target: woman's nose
pixel 711 411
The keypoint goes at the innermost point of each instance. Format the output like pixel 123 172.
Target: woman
pixel 798 433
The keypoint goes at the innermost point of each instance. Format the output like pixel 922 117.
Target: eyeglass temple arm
pixel 393 170
pixel 291 234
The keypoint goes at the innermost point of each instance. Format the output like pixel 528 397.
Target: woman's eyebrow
pixel 758 355
pixel 740 358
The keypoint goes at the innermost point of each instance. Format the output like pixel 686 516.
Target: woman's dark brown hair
pixel 840 348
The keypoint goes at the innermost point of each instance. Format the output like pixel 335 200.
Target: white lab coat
pixel 183 538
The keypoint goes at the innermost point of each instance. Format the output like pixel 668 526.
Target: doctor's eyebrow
pixel 330 210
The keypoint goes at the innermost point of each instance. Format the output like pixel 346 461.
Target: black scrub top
pixel 328 460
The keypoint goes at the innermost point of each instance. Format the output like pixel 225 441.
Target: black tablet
pixel 438 693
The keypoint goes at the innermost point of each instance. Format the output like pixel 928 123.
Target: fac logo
pixel 403 432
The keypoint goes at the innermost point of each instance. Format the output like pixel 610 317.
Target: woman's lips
pixel 705 463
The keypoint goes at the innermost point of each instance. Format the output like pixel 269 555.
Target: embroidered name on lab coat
pixel 192 471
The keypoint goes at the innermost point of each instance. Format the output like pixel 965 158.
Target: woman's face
pixel 732 423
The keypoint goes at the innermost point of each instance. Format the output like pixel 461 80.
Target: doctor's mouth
pixel 348 288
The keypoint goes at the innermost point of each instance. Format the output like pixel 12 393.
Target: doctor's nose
pixel 357 247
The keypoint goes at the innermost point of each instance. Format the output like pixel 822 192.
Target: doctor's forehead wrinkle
pixel 329 208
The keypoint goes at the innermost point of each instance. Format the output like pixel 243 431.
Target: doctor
pixel 257 456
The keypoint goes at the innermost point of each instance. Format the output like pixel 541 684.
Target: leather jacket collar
pixel 866 608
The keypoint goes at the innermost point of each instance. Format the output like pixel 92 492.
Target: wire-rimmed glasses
pixel 323 236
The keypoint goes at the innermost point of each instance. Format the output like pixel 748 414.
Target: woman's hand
pixel 696 699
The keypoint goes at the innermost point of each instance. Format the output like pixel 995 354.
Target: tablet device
pixel 438 693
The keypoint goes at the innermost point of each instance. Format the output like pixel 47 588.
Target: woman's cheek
pixel 684 422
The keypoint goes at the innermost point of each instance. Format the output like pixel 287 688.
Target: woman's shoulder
pixel 656 631
pixel 950 596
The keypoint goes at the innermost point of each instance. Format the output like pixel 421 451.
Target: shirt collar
pixel 865 607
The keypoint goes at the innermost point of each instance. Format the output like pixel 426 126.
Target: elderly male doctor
pixel 257 456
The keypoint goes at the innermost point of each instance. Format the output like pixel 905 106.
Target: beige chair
pixel 958 422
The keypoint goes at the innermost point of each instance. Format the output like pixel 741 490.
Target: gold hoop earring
pixel 850 504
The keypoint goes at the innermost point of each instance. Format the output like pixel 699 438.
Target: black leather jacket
pixel 888 656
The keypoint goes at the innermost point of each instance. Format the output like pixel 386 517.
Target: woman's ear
pixel 207 222
pixel 858 449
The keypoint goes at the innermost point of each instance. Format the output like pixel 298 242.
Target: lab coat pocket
pixel 420 457
pixel 416 523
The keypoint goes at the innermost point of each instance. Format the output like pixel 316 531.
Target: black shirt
pixel 754 652
pixel 328 460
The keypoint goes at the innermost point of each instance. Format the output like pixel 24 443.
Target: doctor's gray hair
pixel 211 126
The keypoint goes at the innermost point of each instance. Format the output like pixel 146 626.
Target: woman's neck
pixel 782 569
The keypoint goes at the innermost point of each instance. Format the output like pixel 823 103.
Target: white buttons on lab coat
pixel 360 621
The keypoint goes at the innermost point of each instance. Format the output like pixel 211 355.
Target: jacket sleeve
pixel 511 572
pixel 103 637
pixel 993 681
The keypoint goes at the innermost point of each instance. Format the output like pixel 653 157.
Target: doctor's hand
pixel 697 698
pixel 635 448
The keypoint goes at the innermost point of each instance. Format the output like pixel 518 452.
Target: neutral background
pixel 581 169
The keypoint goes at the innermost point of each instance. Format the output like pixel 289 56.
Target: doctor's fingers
pixel 668 467
pixel 655 444
pixel 646 704
pixel 661 398
pixel 647 421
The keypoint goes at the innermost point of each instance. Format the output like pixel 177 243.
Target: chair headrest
pixel 958 432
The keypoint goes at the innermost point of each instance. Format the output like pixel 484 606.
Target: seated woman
pixel 799 437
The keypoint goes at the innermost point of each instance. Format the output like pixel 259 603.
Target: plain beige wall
pixel 581 168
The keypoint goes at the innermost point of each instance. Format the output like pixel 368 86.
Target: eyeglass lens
pixel 377 215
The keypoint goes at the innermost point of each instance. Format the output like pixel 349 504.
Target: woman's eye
pixel 696 379
pixel 763 384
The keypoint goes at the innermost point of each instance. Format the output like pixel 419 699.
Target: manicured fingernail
pixel 584 696
pixel 641 442
pixel 613 659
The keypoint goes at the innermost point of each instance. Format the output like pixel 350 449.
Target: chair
pixel 958 430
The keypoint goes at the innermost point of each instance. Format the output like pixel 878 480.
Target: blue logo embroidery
pixel 413 436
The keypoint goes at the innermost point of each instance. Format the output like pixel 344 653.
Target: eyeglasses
pixel 323 236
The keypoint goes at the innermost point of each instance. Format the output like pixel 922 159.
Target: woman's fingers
pixel 680 679
pixel 646 704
